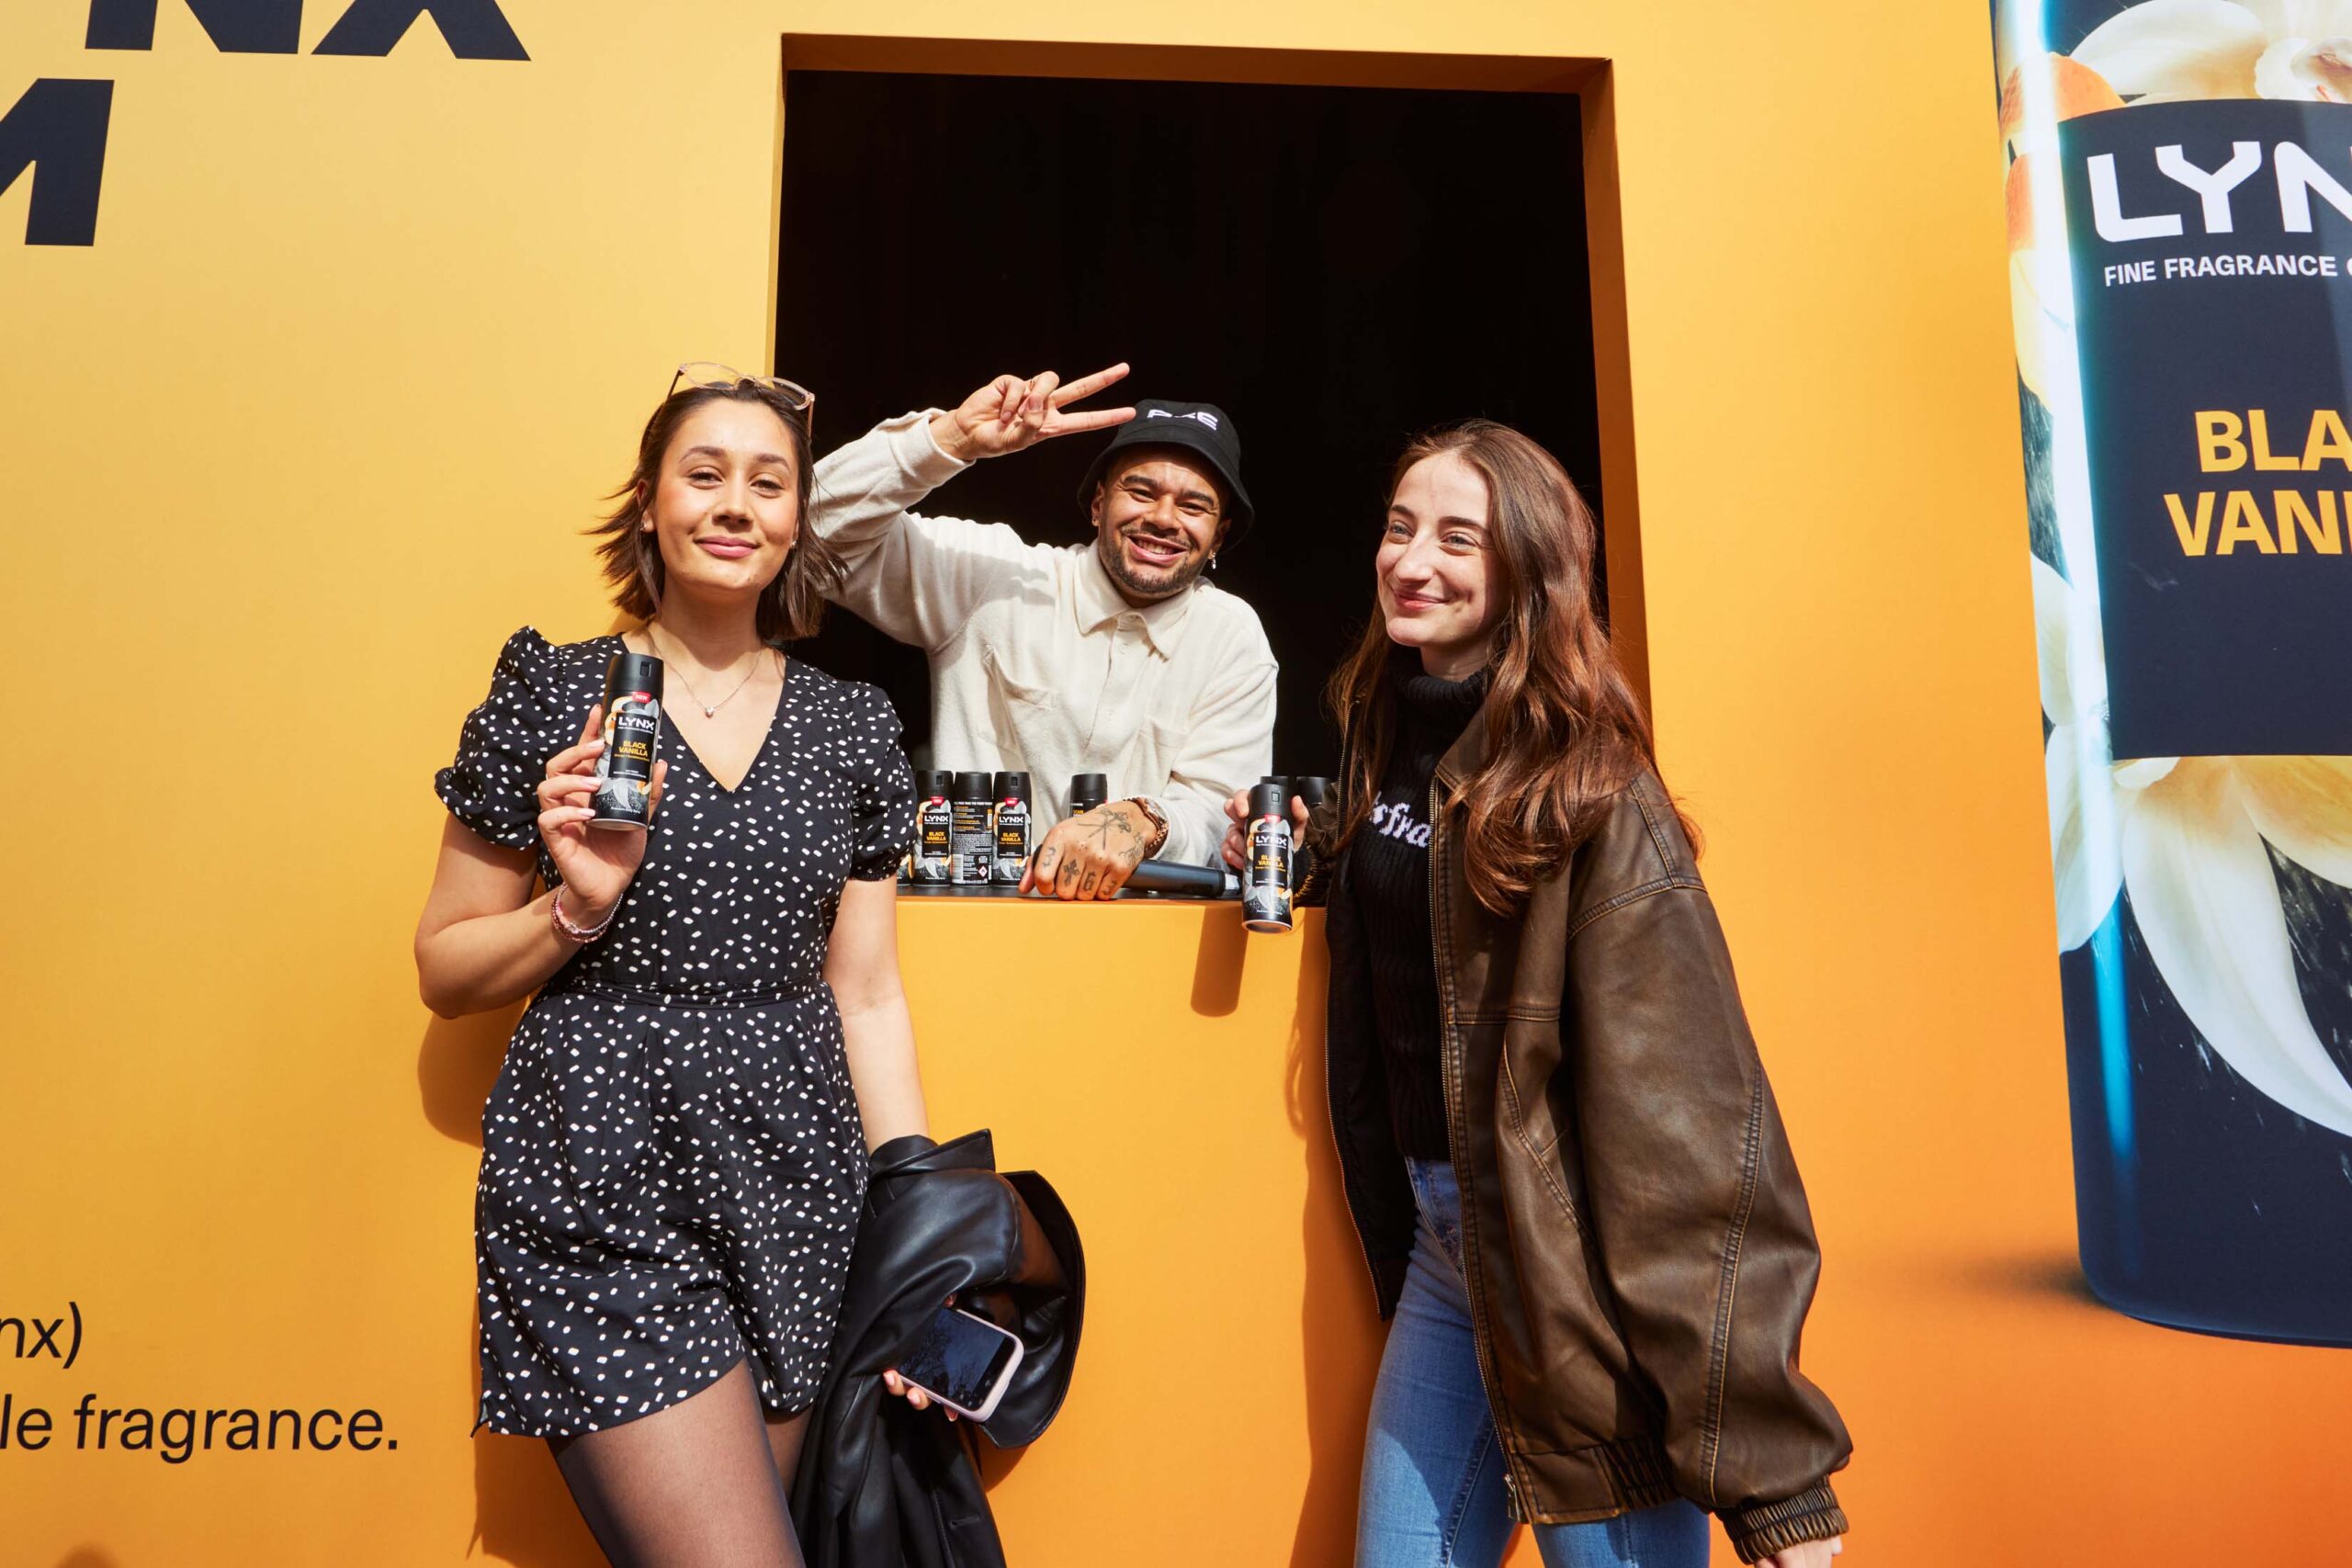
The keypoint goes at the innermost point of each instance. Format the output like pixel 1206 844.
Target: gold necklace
pixel 709 710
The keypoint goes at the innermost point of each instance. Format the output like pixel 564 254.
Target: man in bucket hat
pixel 1115 657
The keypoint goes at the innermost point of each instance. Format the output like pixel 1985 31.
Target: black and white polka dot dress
pixel 671 1160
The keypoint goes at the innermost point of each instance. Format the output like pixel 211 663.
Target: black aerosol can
pixel 1011 826
pixel 1265 883
pixel 1088 790
pixel 632 735
pixel 934 827
pixel 971 847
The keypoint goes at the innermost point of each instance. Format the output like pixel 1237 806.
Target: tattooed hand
pixel 1090 856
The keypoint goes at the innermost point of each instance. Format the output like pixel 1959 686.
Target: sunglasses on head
pixel 706 373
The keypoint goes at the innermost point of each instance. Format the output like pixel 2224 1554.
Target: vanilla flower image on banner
pixel 2165 51
pixel 2043 324
pixel 2187 844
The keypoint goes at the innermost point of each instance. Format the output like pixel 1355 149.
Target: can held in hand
pixel 1011 826
pixel 934 828
pixel 624 795
pixel 971 841
pixel 1265 885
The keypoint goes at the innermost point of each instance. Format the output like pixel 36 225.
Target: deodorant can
pixel 1281 782
pixel 1088 790
pixel 624 795
pixel 934 827
pixel 1265 884
pixel 971 847
pixel 1312 789
pixel 1011 826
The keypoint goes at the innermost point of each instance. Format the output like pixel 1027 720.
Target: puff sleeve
pixel 503 751
pixel 883 784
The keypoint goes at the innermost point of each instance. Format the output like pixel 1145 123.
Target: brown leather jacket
pixel 1638 1251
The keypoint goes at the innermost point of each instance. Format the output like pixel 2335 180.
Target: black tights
pixel 698 1486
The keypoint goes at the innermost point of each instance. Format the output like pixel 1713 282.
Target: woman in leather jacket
pixel 1557 1140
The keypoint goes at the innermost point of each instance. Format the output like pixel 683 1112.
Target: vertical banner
pixel 2179 195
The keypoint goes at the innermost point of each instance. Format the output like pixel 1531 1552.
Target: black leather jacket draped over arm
pixel 880 1481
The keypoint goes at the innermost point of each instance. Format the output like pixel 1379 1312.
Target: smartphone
pixel 965 1362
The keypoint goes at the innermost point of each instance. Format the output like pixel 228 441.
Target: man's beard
pixel 1164 585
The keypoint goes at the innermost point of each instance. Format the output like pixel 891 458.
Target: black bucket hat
pixel 1202 428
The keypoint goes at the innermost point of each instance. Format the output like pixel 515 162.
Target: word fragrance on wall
pixel 57 127
pixel 34 1427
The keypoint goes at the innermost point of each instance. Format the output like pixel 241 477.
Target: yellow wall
pixel 313 427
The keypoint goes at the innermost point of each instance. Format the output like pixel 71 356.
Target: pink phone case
pixel 1003 1381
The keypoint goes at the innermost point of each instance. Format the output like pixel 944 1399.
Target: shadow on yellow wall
pixel 1336 1326
pixel 523 1513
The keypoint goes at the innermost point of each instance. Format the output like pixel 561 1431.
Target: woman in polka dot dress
pixel 673 1158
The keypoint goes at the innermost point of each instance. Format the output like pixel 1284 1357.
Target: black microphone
pixel 1199 881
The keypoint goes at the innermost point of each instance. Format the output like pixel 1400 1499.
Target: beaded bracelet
pixel 580 935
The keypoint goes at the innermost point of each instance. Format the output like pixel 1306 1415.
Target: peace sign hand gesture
pixel 1009 413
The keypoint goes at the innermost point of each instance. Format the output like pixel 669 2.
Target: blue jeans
pixel 1433 1491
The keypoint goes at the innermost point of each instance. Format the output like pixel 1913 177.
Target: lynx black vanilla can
pixel 1265 883
pixel 934 827
pixel 632 737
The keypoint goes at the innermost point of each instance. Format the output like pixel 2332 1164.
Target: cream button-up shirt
pixel 1037 663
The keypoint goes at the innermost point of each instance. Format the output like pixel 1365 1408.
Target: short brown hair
pixel 792 606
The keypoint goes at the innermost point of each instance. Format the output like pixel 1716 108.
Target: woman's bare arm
pixel 862 966
pixel 483 940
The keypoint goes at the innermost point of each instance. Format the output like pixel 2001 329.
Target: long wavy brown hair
pixel 1565 733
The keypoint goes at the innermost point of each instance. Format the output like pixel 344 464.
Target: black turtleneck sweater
pixel 1389 877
